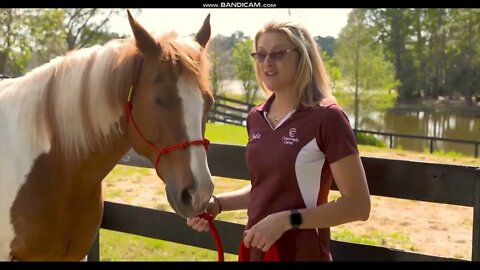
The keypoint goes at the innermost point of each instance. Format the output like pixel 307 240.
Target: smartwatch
pixel 295 219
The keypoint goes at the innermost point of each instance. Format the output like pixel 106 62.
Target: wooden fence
pixel 419 181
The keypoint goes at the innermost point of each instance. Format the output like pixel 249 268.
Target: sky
pixel 319 21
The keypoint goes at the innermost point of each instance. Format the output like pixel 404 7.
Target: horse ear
pixel 203 34
pixel 145 42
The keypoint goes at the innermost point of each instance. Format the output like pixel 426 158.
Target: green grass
pixel 226 133
pixel 115 246
pixel 374 238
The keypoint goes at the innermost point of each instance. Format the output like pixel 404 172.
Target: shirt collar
pixel 266 105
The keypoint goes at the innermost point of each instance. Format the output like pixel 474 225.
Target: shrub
pixel 368 139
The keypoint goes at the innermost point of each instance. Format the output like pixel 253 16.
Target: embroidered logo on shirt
pixel 291 139
pixel 256 135
pixel 292 132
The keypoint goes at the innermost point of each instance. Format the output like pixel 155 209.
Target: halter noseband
pixel 128 106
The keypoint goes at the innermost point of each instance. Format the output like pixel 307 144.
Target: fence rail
pixel 429 138
pixel 438 183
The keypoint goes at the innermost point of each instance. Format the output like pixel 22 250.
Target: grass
pixel 115 246
pixel 125 184
pixel 225 133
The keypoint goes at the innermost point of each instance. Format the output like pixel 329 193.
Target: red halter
pixel 128 106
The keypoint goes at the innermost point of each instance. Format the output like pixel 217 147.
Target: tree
pixel 362 64
pixel 46 34
pixel 14 52
pixel 464 67
pixel 216 72
pixel 30 37
pixel 332 68
pixel 83 25
pixel 243 68
pixel 327 44
pixel 27 33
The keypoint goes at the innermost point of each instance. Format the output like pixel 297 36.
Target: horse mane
pixel 76 100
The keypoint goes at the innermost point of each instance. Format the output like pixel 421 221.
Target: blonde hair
pixel 312 83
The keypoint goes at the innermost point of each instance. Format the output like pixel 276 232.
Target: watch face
pixel 295 219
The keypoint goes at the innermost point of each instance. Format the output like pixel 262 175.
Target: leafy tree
pixel 332 68
pixel 14 52
pixel 220 58
pixel 326 43
pixel 243 68
pixel 216 73
pixel 83 26
pixel 30 37
pixel 46 35
pixel 363 66
pixel 464 54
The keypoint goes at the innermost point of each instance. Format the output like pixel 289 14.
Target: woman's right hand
pixel 201 224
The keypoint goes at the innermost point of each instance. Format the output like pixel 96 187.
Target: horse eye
pixel 159 101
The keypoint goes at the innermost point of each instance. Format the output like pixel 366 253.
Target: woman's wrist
pixel 217 202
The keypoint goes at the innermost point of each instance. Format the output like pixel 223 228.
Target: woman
pixel 299 141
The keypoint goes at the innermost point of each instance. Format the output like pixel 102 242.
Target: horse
pixel 65 124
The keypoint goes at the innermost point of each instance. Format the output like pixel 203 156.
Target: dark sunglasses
pixel 275 56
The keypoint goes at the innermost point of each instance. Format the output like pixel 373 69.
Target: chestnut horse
pixel 66 124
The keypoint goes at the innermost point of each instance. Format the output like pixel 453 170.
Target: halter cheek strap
pixel 127 108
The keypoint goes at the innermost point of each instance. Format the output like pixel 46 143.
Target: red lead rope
pixel 215 236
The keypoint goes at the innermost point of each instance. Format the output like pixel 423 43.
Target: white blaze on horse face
pixel 20 145
pixel 193 112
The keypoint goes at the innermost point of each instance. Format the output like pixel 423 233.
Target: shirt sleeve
pixel 335 135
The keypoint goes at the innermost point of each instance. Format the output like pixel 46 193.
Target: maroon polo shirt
pixel 289 169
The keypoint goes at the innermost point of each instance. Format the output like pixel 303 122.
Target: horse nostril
pixel 186 197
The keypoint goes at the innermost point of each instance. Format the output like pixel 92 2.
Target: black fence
pixel 419 181
pixel 432 140
pixel 230 111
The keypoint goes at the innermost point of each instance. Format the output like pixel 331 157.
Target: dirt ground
pixel 435 229
pixel 428 228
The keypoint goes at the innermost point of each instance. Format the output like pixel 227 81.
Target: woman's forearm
pixel 340 211
pixel 235 200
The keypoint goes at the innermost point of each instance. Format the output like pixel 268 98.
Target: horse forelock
pixel 190 55
pixel 194 60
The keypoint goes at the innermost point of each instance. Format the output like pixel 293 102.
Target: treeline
pixel 380 56
pixel 435 51
pixel 31 37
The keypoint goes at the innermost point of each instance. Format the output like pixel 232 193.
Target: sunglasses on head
pixel 275 56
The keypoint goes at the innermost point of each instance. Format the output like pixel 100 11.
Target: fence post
pixel 431 146
pixel 476 150
pixel 391 141
pixel 476 219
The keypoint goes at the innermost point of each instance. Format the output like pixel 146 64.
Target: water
pixel 433 124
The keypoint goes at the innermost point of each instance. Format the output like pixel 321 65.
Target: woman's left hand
pixel 267 231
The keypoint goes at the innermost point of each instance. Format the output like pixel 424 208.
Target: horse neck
pixel 101 161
